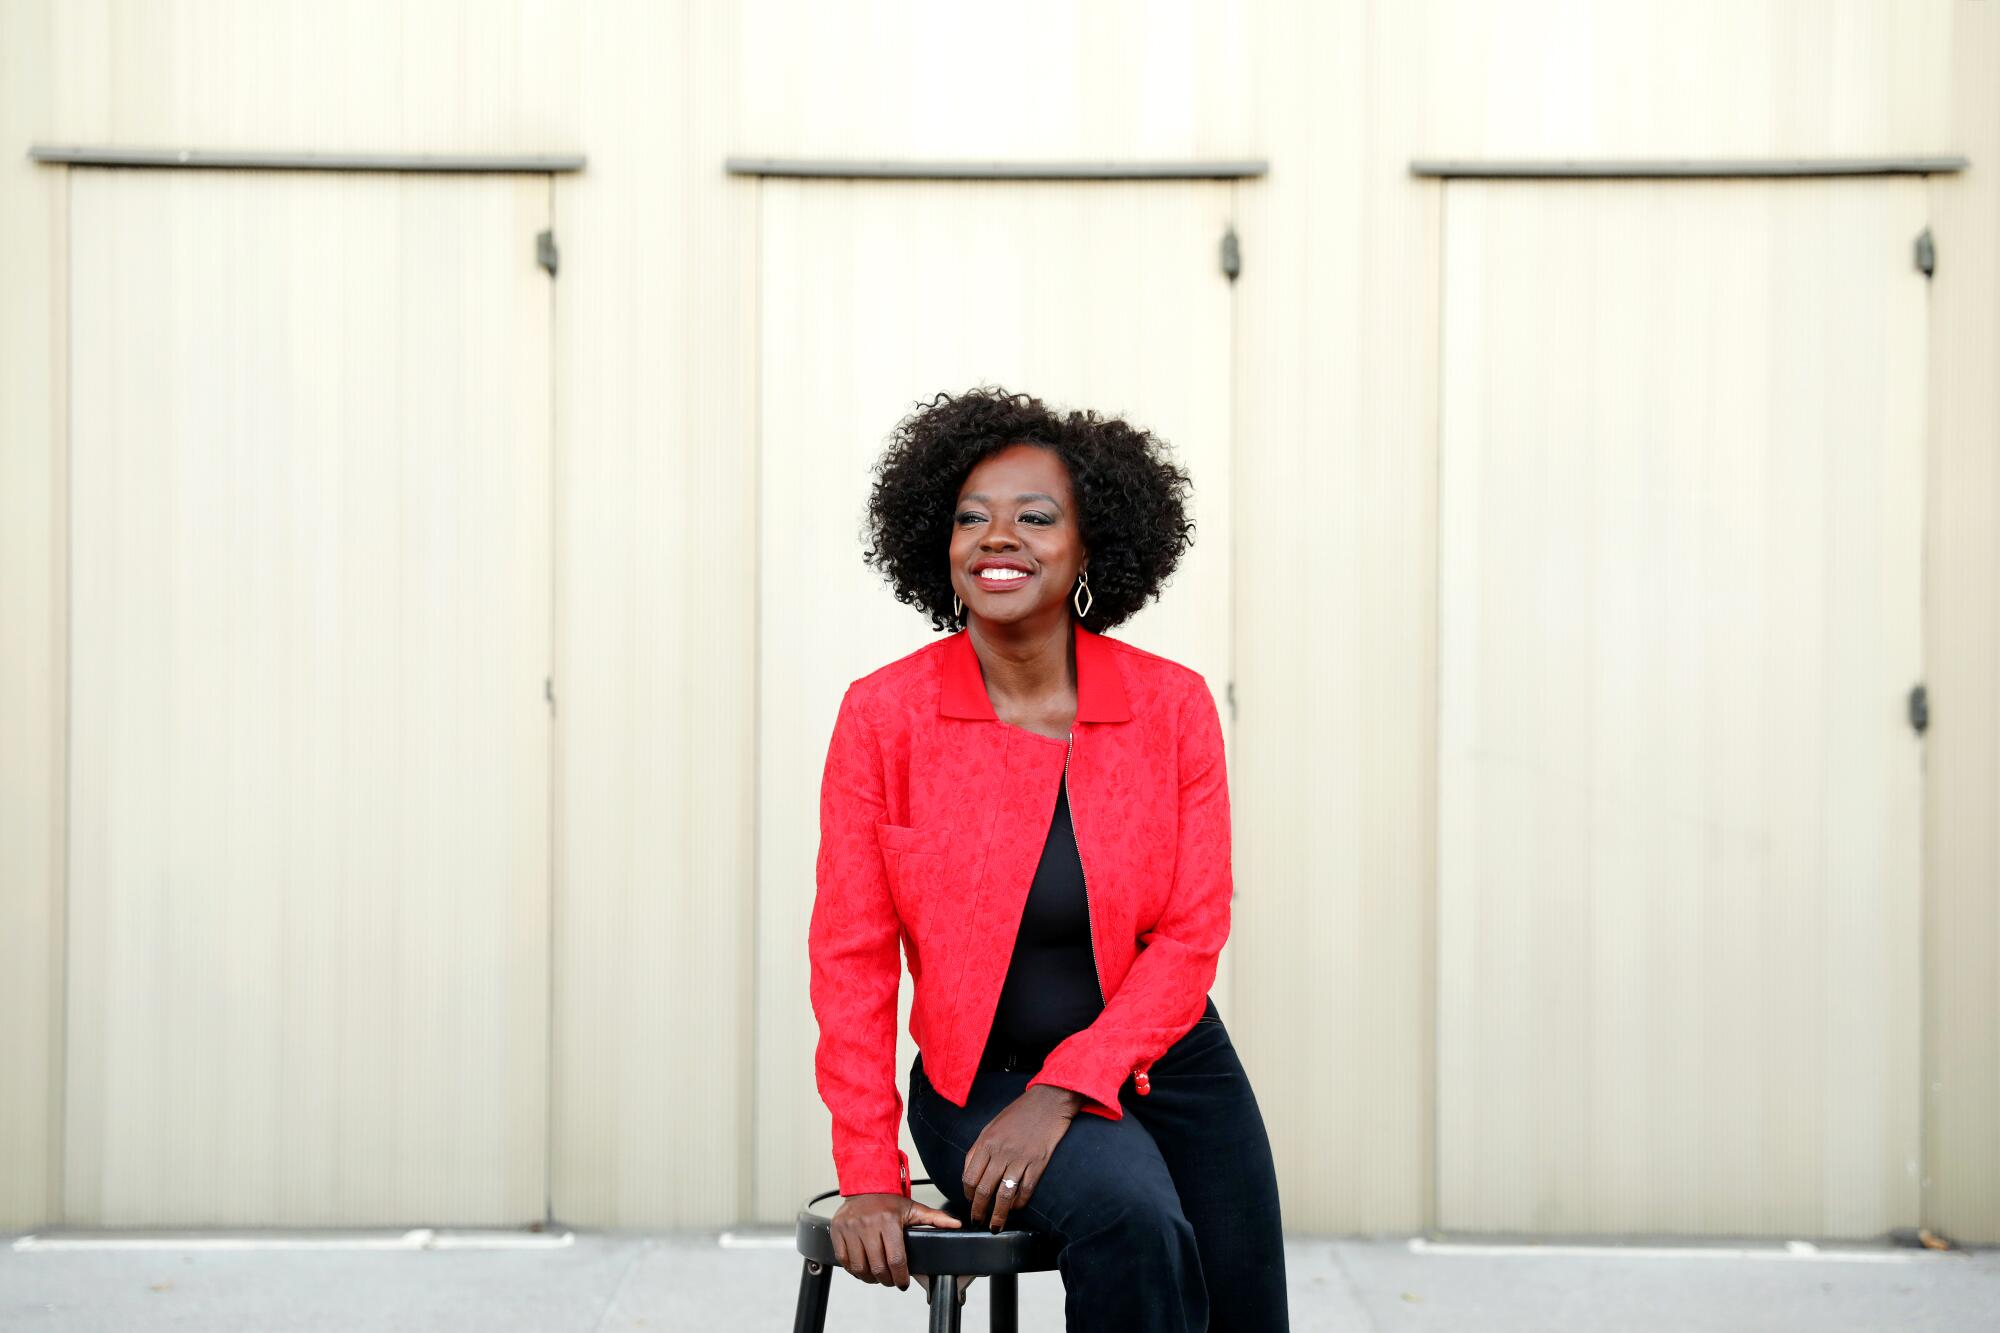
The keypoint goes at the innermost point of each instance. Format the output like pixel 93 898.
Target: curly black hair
pixel 1131 499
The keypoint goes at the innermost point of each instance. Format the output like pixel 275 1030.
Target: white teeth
pixel 1003 574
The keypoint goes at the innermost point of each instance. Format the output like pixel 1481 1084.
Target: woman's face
pixel 1015 513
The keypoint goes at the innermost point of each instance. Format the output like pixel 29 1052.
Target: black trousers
pixel 1169 1216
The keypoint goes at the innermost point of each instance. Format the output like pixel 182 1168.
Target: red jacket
pixel 933 814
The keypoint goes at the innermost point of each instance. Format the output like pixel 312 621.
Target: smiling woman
pixel 1039 814
pixel 1106 482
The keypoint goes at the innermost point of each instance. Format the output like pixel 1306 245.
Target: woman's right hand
pixel 868 1235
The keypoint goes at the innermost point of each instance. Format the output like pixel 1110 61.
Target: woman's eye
pixel 1039 520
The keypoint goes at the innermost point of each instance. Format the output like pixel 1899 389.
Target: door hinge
pixel 1920 708
pixel 549 691
pixel 1232 255
pixel 545 251
pixel 1926 253
pixel 1229 693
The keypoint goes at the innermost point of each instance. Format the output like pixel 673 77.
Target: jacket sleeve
pixel 1166 989
pixel 852 944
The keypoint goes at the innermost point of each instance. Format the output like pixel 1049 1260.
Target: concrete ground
pixel 594 1282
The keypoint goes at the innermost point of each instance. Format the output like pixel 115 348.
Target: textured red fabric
pixel 933 813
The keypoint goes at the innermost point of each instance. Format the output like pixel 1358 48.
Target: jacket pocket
pixel 919 872
pixel 904 838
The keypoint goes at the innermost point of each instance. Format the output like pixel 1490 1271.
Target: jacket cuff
pixel 1099 1089
pixel 874 1171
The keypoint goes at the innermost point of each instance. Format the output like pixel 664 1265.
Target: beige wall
pixel 1336 392
pixel 1336 398
pixel 656 597
pixel 1961 1163
pixel 32 610
pixel 1704 78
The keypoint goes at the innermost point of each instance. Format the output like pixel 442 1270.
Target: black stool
pixel 942 1255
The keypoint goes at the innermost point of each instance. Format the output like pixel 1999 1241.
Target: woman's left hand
pixel 1016 1145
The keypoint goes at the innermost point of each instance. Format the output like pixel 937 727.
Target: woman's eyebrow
pixel 1024 495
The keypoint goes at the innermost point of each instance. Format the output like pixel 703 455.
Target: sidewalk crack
pixel 611 1302
pixel 1353 1292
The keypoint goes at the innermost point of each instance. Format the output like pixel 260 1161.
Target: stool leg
pixel 1005 1307
pixel 813 1285
pixel 944 1303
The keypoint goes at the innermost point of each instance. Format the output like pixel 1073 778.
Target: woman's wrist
pixel 1068 1100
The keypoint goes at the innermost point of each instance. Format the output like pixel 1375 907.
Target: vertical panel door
pixel 1681 505
pixel 309 773
pixel 876 296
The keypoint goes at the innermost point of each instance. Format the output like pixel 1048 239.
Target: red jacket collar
pixel 1100 688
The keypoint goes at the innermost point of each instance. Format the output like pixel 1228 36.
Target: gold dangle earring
pixel 1082 586
pixel 957 607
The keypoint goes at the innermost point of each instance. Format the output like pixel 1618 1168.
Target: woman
pixel 1040 815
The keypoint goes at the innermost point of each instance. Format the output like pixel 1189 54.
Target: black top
pixel 1051 986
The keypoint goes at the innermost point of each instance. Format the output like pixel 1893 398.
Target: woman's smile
pixel 1001 575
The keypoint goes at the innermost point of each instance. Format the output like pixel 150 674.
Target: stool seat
pixel 935 1252
pixel 970 1252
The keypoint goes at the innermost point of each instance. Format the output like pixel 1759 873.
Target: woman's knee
pixel 1142 1223
pixel 1135 1264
